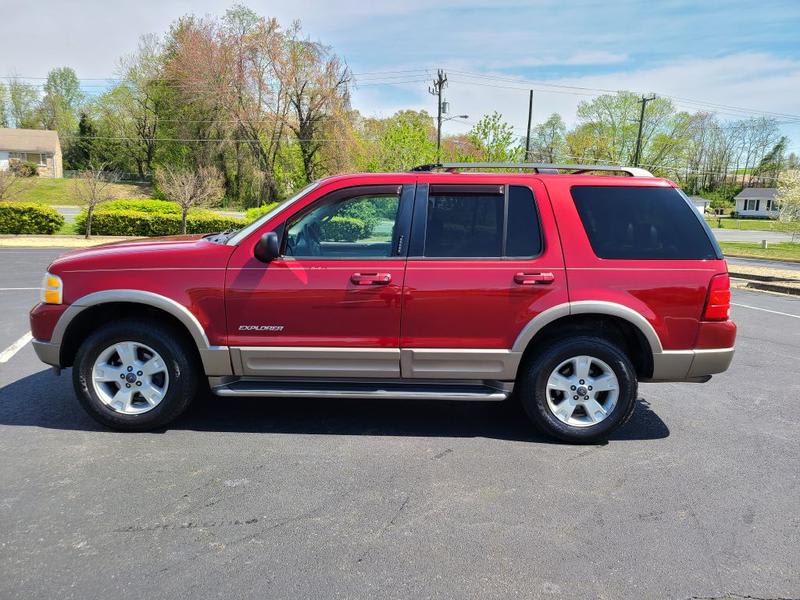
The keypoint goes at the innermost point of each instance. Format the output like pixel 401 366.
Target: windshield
pixel 248 229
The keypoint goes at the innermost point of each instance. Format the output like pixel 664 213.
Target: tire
pixel 586 423
pixel 170 388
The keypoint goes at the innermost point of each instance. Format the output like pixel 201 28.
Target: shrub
pixel 345 229
pixel 23 169
pixel 147 205
pixel 251 214
pixel 145 224
pixel 28 217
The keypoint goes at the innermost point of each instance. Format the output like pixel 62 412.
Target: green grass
pixel 61 191
pixel 782 251
pixel 752 224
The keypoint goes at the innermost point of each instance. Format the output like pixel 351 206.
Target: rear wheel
pixel 579 389
pixel 133 376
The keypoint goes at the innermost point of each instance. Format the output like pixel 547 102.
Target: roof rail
pixel 546 168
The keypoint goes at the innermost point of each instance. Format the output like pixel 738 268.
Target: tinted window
pixel 464 225
pixel 359 227
pixel 641 223
pixel 524 238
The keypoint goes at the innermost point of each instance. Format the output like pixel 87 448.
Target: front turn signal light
pixel 52 289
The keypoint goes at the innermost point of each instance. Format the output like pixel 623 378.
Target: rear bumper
pixel 683 365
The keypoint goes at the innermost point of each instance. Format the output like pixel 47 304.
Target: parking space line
pixel 6 354
pixel 775 312
pixel 17 289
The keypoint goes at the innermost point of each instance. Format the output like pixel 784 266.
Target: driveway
pixel 697 496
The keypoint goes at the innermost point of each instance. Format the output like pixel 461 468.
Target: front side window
pixel 356 227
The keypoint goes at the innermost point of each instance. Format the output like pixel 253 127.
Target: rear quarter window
pixel 654 223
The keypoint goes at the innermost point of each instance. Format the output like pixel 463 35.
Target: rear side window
pixel 465 222
pixel 642 223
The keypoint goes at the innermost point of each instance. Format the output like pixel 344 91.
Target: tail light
pixel 718 303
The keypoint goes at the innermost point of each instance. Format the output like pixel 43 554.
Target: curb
pixel 774 287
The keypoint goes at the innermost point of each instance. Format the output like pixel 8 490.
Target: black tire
pixel 532 386
pixel 181 364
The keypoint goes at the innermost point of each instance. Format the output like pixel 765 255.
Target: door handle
pixel 371 278
pixel 533 278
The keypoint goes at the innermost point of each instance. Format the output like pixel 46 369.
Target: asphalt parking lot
pixel 697 497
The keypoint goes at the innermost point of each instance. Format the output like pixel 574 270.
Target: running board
pixel 353 389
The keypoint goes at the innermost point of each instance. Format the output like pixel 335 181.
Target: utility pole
pixel 528 137
pixel 636 156
pixel 436 90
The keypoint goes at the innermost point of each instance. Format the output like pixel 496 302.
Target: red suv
pixel 555 283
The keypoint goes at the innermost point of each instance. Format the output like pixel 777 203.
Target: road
pixel 696 496
pixel 746 235
pixel 757 262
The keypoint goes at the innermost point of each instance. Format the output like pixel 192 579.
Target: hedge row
pixel 251 214
pixel 142 205
pixel 345 229
pixel 146 224
pixel 29 217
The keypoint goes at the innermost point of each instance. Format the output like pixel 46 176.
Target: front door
pixel 330 305
pixel 484 261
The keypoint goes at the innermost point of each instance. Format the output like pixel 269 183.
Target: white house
pixel 38 146
pixel 700 204
pixel 757 202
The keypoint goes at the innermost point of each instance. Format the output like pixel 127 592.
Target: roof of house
pixel 697 199
pixel 757 193
pixel 29 140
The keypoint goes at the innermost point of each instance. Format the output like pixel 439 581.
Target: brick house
pixel 37 146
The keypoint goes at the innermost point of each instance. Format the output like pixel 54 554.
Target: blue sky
pixel 738 54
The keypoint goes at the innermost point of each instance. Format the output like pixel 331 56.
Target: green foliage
pixel 27 217
pixel 142 205
pixel 23 168
pixel 404 140
pixel 495 140
pixel 141 223
pixel 345 229
pixel 251 214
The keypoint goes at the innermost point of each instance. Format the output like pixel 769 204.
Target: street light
pixel 455 117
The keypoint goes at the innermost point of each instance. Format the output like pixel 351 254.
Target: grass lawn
pixel 752 224
pixel 782 251
pixel 60 191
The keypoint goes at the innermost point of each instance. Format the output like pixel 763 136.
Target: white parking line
pixel 775 312
pixel 6 354
pixel 16 289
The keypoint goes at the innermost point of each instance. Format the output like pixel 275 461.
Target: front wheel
pixel 133 376
pixel 579 389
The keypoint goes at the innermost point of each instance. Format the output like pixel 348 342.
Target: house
pixel 757 202
pixel 37 146
pixel 701 204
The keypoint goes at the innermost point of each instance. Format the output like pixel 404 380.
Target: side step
pixel 361 389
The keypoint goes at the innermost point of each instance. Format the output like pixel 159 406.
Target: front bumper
pixel 48 353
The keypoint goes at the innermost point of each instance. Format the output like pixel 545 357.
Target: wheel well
pixel 94 317
pixel 614 329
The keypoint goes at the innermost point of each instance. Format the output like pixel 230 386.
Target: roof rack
pixel 545 168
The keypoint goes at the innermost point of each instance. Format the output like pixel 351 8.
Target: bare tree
pixel 788 198
pixel 189 188
pixel 93 187
pixel 11 184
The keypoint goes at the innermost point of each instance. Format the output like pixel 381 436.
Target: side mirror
pixel 268 247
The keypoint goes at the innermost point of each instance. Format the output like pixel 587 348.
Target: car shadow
pixel 45 400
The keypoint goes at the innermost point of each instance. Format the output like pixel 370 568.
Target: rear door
pixel 484 260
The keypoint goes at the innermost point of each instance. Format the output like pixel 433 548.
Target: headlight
pixel 52 289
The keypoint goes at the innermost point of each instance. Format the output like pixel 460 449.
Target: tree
pixel 83 151
pixel 62 99
pixel 22 99
pixel 191 188
pixel 317 90
pixel 3 102
pixel 93 187
pixel 549 139
pixel 11 184
pixel 788 196
pixel 495 139
pixel 404 140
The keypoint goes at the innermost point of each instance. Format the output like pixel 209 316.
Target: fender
pixel 216 359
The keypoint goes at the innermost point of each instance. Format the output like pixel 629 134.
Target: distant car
pixel 559 286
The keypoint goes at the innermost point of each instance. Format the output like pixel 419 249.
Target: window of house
pixel 359 226
pixel 625 222
pixel 481 222
pixel 33 157
pixel 751 204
